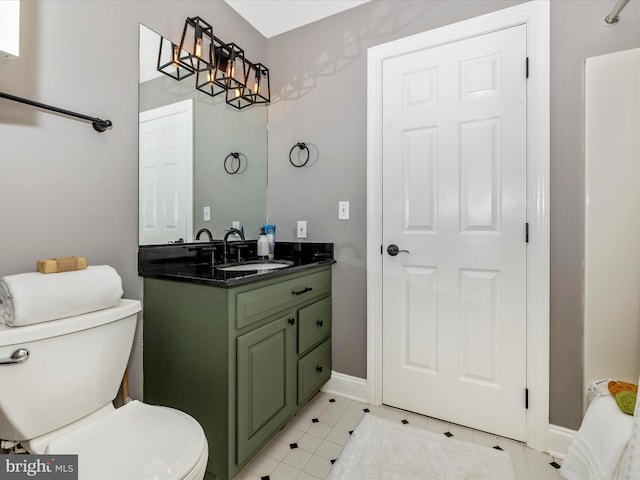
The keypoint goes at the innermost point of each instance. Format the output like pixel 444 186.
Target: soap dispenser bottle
pixel 263 244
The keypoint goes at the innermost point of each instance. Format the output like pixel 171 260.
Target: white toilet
pixel 59 379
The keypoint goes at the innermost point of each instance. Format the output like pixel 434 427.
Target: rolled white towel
pixel 597 447
pixel 29 298
pixel 630 465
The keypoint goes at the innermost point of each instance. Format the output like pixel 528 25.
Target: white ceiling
pixel 273 17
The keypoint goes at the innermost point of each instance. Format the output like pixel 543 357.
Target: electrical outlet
pixel 235 224
pixel 343 210
pixel 206 215
pixel 302 229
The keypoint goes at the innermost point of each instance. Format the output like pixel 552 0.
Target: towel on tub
pixel 630 466
pixel 597 447
pixel 29 298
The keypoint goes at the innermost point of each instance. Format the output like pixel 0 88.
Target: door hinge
pixel 526 232
pixel 526 398
pixel 380 249
pixel 526 63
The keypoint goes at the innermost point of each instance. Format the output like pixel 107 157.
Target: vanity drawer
pixel 314 324
pixel 256 304
pixel 314 369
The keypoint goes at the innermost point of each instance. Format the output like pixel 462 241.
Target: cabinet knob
pixel 320 323
pixel 292 321
pixel 319 369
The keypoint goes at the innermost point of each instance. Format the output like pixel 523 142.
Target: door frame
pixel 186 107
pixel 536 16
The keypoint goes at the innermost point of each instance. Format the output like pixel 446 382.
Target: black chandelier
pixel 219 67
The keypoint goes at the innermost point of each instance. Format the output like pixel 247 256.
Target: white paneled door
pixel 166 174
pixel 454 205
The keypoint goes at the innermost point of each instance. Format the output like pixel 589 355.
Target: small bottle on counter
pixel 263 243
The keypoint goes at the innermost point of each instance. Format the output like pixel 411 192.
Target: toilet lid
pixel 135 441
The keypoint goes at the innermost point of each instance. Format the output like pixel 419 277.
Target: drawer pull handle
pixel 292 321
pixel 300 292
pixel 320 323
pixel 319 369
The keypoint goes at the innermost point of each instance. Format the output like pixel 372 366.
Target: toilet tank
pixel 75 366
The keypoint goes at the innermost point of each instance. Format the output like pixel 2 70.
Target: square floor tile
pixel 289 435
pixel 329 450
pixel 243 475
pixel 339 436
pixel 462 433
pixel 284 472
pixel 276 449
pixel 318 467
pixel 484 439
pixel 348 423
pixel 319 429
pixel 309 442
pixel 297 458
pixel 262 465
pixel 307 476
pixel 437 426
pixel 329 418
pixel 299 423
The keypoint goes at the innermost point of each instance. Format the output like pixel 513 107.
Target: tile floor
pixel 305 447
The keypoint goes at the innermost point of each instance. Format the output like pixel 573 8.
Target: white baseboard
pixel 353 388
pixel 559 440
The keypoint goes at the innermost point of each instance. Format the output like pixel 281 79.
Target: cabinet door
pixel 266 382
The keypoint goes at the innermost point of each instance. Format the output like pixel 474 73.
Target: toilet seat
pixel 137 442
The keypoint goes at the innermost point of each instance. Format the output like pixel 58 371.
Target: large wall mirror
pixel 184 138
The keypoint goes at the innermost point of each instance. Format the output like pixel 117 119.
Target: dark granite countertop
pixel 191 262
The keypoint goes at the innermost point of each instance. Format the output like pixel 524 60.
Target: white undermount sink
pixel 253 266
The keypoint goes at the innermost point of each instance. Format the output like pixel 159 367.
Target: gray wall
pixel 64 188
pixel 319 84
pixel 67 190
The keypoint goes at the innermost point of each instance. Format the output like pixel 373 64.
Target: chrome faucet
pixel 204 230
pixel 231 231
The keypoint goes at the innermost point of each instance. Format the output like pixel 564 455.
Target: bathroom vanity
pixel 239 351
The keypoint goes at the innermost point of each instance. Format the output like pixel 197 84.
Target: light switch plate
pixel 206 214
pixel 235 224
pixel 343 210
pixel 302 229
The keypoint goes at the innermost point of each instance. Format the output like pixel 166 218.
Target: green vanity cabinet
pixel 241 360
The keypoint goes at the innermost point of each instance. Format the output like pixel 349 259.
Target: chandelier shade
pixel 195 44
pixel 258 86
pixel 169 61
pixel 231 67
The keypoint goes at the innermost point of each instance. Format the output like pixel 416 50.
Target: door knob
pixel 393 250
